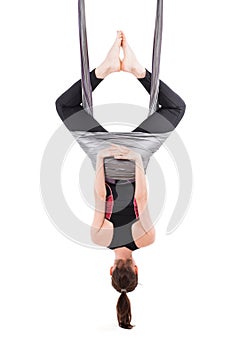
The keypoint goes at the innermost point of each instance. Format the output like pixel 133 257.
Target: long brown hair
pixel 123 277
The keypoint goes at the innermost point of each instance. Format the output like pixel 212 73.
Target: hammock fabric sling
pixel 145 143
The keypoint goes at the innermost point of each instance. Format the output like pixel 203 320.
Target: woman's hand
pixel 119 152
pixel 108 152
pixel 123 152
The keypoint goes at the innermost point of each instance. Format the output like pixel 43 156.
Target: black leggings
pixel 166 118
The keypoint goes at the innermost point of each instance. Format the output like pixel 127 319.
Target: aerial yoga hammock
pixel 166 109
pixel 144 141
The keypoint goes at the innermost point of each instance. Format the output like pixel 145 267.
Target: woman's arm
pixel 144 231
pixel 142 200
pixel 101 229
pixel 100 224
pixel 140 179
pixel 100 188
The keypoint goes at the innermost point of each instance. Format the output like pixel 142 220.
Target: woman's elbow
pixel 93 233
pixel 152 235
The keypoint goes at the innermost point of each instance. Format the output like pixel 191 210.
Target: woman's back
pixel 121 210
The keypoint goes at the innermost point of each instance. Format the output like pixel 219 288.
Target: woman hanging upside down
pixel 121 220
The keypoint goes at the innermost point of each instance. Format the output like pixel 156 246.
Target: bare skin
pixel 124 254
pixel 129 64
pixel 113 63
pixel 142 230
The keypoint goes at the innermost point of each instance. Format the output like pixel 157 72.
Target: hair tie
pixel 123 290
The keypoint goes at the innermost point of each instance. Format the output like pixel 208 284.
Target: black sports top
pixel 122 213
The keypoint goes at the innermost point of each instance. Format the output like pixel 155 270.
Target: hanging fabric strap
pixel 85 72
pixel 143 142
pixel 86 81
pixel 156 58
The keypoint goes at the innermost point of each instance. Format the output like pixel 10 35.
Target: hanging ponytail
pixel 124 280
pixel 124 311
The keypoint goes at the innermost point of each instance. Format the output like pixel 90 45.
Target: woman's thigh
pixel 155 123
pixel 83 121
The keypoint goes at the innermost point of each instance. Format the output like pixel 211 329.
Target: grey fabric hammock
pixel 142 142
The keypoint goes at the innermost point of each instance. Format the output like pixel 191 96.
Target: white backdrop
pixel 56 294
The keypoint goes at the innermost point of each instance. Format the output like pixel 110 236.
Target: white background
pixel 56 294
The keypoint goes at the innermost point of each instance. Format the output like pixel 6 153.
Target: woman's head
pixel 124 280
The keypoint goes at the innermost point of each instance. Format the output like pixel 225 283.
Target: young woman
pixel 121 220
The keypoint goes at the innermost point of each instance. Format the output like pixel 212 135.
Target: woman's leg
pixel 171 106
pixel 68 105
pixel 170 112
pixel 70 110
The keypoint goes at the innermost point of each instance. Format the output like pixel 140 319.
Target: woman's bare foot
pixel 130 63
pixel 112 62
